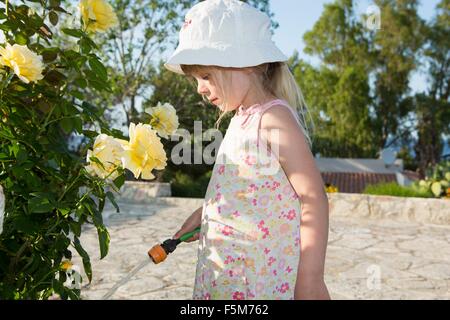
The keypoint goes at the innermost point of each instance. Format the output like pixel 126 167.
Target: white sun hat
pixel 226 33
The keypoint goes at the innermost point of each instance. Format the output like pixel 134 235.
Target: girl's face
pixel 227 99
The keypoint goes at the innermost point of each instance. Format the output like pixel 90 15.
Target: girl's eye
pixel 205 77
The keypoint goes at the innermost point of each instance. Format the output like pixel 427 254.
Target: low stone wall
pixel 435 211
pixel 142 192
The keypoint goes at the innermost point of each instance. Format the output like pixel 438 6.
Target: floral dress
pixel 249 245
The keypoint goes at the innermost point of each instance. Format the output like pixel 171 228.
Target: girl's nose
pixel 202 89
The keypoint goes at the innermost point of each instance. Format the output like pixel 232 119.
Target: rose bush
pixel 51 191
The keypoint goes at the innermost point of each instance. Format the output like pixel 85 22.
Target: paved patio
pixel 366 258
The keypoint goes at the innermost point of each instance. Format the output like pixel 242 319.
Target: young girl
pixel 264 221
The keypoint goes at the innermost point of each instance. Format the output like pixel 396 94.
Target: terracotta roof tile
pixel 355 182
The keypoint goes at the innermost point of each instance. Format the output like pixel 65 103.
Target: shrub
pixel 393 189
pixel 40 107
pixel 437 180
pixel 183 185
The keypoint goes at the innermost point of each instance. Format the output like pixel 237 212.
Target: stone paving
pixel 366 258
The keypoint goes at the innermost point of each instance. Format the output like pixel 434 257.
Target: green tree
pixel 396 48
pixel 433 108
pixel 338 92
pixel 361 89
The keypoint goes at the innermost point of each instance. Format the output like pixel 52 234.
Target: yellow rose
pixel 98 15
pixel 164 119
pixel 144 152
pixel 27 65
pixel 109 151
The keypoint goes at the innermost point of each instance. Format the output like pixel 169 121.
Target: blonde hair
pixel 274 78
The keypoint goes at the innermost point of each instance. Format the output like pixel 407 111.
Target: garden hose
pixel 158 253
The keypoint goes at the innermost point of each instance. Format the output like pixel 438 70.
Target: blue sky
pixel 295 17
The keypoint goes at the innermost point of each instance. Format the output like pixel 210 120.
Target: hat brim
pixel 235 57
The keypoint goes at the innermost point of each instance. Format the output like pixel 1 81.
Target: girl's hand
pixel 194 221
pixel 311 290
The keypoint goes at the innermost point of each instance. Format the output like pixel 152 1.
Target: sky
pixel 295 17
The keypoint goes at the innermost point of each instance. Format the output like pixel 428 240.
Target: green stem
pixel 54 120
pixel 48 233
pixel 42 280
pixel 29 145
pixel 82 198
pixel 8 78
pixel 12 265
pixel 48 116
pixel 70 187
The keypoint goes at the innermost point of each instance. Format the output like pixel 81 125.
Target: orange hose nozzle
pixel 157 254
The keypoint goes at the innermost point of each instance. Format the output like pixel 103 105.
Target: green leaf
pixel 21 39
pixel 119 181
pixel 81 83
pixel 78 124
pixel 18 171
pixel 61 10
pixel 14 149
pixel 98 68
pixel 73 32
pixel 21 156
pixel 110 196
pixel 88 133
pixel 64 211
pixel 55 3
pixel 40 205
pixel 25 224
pixel 99 85
pixel 4 156
pixel 104 239
pixel 53 16
pixel 436 188
pixel 91 43
pixel 84 255
pixel 49 55
pixel 61 242
pixel 84 45
pixel 54 77
pixel 67 124
pixel 77 94
pixel 96 217
pixel 89 108
pixel 76 228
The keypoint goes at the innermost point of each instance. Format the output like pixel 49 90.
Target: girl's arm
pixel 298 163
